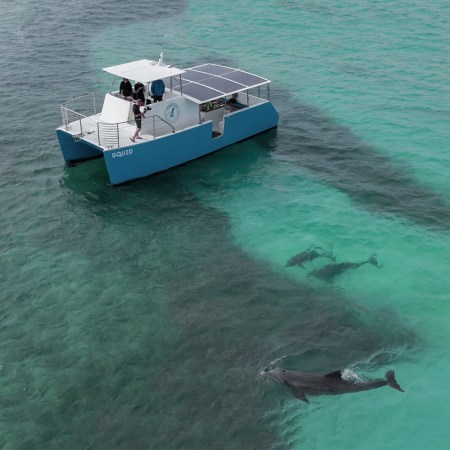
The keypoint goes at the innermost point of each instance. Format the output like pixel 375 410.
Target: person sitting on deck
pixel 125 89
pixel 157 90
pixel 233 98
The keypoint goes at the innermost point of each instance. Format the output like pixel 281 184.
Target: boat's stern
pixel 74 148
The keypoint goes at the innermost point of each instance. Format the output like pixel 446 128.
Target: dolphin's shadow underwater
pixel 332 383
pixel 330 271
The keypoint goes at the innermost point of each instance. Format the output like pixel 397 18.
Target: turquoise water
pixel 141 316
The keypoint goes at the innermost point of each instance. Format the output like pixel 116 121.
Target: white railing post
pixel 64 117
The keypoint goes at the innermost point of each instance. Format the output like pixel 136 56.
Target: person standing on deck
pixel 138 116
pixel 157 90
pixel 139 93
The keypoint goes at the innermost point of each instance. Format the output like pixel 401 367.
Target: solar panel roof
pixel 210 81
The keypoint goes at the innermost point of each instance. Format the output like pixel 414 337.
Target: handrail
pixel 160 118
pixel 106 134
pixel 66 113
pixel 76 98
pixel 111 134
pixel 67 110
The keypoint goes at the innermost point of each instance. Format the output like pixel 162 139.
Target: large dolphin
pixel 309 255
pixel 331 384
pixel 330 271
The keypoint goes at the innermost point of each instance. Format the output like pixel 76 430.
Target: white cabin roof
pixel 144 70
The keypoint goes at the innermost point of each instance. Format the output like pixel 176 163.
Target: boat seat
pixel 116 110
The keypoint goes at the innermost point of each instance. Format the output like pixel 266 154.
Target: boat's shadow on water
pixel 334 155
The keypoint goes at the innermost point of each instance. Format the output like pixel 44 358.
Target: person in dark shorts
pixel 138 116
pixel 125 89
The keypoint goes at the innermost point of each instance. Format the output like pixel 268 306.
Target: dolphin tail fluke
pixel 392 382
pixel 373 260
pixel 329 255
pixel 291 264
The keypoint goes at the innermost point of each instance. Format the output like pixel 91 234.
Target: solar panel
pixel 222 84
pixel 213 69
pixel 199 92
pixel 211 81
pixel 192 75
pixel 245 78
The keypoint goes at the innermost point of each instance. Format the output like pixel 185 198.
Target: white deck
pixel 89 127
pixel 88 130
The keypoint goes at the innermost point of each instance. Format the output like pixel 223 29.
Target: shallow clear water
pixel 141 316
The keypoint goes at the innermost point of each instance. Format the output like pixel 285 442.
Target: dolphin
pixel 308 256
pixel 331 384
pixel 330 271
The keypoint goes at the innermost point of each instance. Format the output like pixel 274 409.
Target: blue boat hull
pixel 142 159
pixel 75 149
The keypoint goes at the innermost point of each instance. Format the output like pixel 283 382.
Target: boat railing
pixel 112 135
pixel 109 134
pixel 85 105
pixel 78 124
pixel 160 126
pixel 77 114
pixel 80 117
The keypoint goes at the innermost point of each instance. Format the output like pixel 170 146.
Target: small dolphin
pixel 331 384
pixel 330 271
pixel 308 256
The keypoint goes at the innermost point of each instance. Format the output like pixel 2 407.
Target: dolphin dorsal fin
pixel 336 374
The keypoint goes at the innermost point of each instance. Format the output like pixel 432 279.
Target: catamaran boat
pixel 203 109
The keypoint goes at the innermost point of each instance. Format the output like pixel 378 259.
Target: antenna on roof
pixel 160 60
